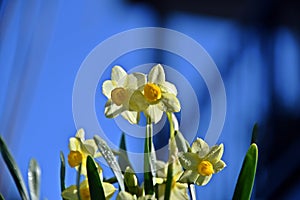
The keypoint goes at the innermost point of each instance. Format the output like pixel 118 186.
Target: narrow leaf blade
pixel 95 185
pixel 110 159
pixel 34 179
pixel 62 172
pixel 14 170
pixel 246 177
pixel 123 159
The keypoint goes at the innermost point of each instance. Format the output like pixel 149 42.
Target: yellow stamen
pixel 119 96
pixel 74 158
pixel 205 168
pixel 152 92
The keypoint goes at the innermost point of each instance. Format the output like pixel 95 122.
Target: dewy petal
pixel 200 147
pixel 112 110
pixel 117 73
pixel 215 153
pixel 189 176
pixel 203 180
pixel 107 87
pixel 189 161
pixel 170 103
pixel 157 75
pixel 168 87
pixel 218 166
pixel 154 113
pixel 130 116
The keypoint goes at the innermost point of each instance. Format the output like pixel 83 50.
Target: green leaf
pixel 246 177
pixel 149 160
pixel 62 172
pixel 123 156
pixel 110 159
pixel 169 181
pixel 254 133
pixel 1 197
pixel 34 179
pixel 14 170
pixel 131 181
pixel 78 181
pixel 95 185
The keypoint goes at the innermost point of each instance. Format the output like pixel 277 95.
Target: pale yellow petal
pixel 170 103
pixel 107 87
pixel 200 147
pixel 157 75
pixel 117 73
pixel 130 116
pixel 109 190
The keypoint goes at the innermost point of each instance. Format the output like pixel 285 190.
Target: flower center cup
pixel 205 168
pixel 74 158
pixel 152 92
pixel 119 96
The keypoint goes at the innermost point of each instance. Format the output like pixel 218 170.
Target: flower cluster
pixel 129 95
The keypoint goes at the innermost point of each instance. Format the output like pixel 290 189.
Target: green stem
pixel 170 166
pixel 148 178
pixel 172 131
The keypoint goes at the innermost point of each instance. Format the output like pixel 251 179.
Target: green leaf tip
pixel 95 185
pixel 14 170
pixel 243 189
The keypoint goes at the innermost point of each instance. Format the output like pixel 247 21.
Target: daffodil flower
pixel 178 189
pixel 80 149
pixel 71 192
pixel 201 163
pixel 118 90
pixel 156 96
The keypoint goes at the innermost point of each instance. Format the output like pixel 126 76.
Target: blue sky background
pixel 43 43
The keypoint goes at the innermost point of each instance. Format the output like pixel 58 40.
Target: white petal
pixel 154 113
pixel 200 147
pixel 203 180
pixel 170 103
pixel 215 153
pixel 130 116
pixel 218 166
pixel 157 75
pixel 107 87
pixel 117 73
pixel 130 82
pixel 141 79
pixel 80 134
pixel 90 146
pixel 112 110
pixel 168 87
